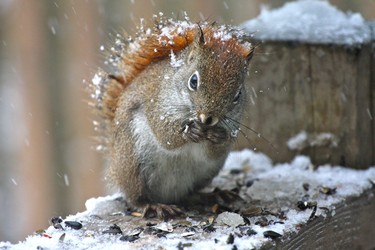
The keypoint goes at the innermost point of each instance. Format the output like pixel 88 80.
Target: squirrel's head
pixel 213 76
pixel 208 65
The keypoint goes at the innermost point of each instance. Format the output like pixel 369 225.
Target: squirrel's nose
pixel 208 120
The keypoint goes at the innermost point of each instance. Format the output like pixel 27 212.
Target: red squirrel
pixel 169 103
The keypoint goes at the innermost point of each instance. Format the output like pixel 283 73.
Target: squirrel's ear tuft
pixel 199 39
pixel 196 45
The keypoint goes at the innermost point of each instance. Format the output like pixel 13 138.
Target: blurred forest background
pixel 48 49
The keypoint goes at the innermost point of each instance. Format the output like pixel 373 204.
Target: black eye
pixel 193 81
pixel 237 97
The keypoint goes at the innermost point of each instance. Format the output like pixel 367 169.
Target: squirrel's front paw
pixel 217 135
pixel 193 131
pixel 196 131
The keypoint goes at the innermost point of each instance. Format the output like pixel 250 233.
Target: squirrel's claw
pixel 193 131
pixel 161 211
pixel 185 126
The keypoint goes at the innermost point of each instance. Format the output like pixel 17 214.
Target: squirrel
pixel 169 107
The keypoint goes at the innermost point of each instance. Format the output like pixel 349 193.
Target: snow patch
pixel 174 62
pixel 303 140
pixel 310 21
pixel 298 142
pixel 248 159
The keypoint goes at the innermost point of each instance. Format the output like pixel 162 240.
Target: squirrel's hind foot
pixel 162 211
pixel 226 199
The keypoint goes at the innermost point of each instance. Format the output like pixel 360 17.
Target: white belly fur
pixel 171 174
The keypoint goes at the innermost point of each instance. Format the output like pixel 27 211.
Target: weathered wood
pixel 351 227
pixel 371 112
pixel 314 88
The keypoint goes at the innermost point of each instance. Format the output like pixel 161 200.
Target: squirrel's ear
pixel 197 43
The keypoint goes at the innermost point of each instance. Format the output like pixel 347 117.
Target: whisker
pixel 255 132
pixel 228 125
pixel 242 133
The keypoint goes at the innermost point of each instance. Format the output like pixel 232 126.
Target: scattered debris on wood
pixel 276 205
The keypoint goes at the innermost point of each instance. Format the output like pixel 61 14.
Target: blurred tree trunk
pixel 33 165
pixel 80 57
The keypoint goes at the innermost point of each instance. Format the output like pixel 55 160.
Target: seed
pixel 114 229
pixel 327 190
pixel 230 239
pixel 252 211
pixel 62 237
pixel 245 230
pixel 306 186
pixel 313 213
pixel 302 205
pixel 55 222
pixel 73 224
pixel 209 229
pixel 263 222
pixel 235 171
pixel 271 234
pixel 136 214
pixel 129 238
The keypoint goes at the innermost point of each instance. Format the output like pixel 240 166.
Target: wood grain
pixel 318 89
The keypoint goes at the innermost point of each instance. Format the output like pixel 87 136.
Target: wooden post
pixel 351 227
pixel 371 112
pixel 324 90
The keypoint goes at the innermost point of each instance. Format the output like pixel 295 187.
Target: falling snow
pixel 66 180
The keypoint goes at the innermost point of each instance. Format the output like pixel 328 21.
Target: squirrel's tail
pixel 105 90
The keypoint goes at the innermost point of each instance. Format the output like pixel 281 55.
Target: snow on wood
pixel 311 21
pixel 280 199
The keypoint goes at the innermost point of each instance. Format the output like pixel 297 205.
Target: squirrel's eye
pixel 193 81
pixel 237 97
